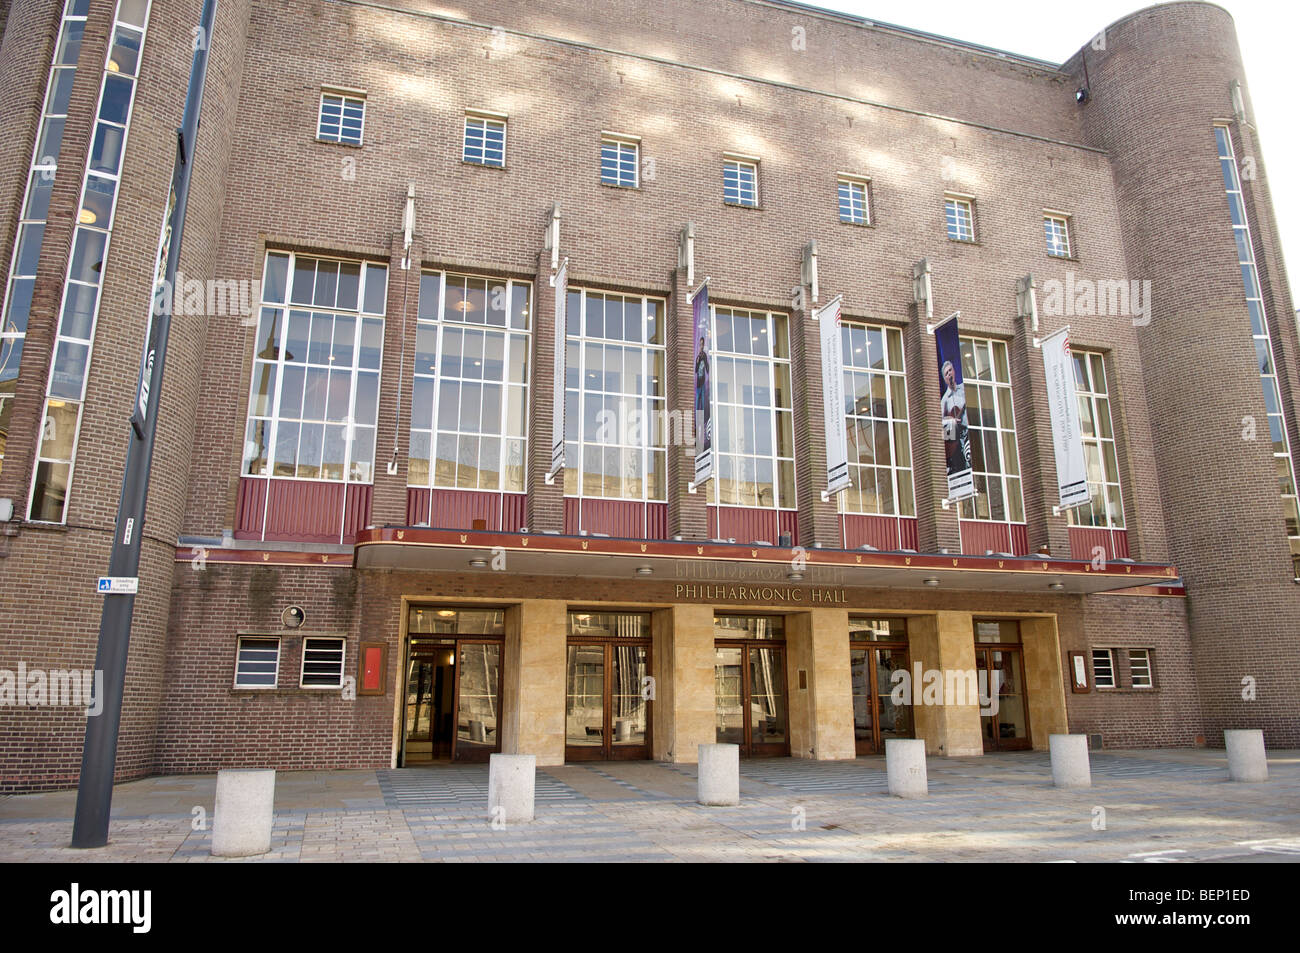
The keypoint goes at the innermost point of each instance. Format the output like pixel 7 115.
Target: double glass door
pixel 1001 676
pixel 876 716
pixel 750 684
pixel 452 709
pixel 607 697
pixel 453 691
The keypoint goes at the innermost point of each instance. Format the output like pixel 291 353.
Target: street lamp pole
pixel 95 787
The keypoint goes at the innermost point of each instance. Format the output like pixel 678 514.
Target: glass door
pixel 878 650
pixel 452 709
pixel 750 685
pixel 607 711
pixel 478 700
pixel 1001 676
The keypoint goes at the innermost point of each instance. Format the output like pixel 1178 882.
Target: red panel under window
pixel 356 516
pixel 749 524
pixel 305 511
pixel 250 507
pixel 656 521
pixel 458 509
pixel 417 506
pixel 881 532
pixel 1113 542
pixel 978 537
pixel 789 523
pixel 621 518
pixel 514 510
pixel 907 532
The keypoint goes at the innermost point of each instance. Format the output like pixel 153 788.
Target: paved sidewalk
pixel 1171 805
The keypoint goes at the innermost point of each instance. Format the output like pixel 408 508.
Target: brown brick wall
pixel 1137 157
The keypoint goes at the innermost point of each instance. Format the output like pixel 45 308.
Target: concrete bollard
pixel 1070 768
pixel 1246 759
pixel 512 782
pixel 623 729
pixel 477 732
pixel 719 776
pixel 905 767
pixel 243 813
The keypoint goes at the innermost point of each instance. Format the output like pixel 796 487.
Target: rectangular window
pixel 314 399
pixel 875 408
pixel 469 400
pixel 1103 668
pixel 753 429
pixel 35 207
pixel 257 662
pixel 619 162
pixel 995 461
pixel 322 663
pixel 740 182
pixel 79 309
pixel 1105 508
pixel 1057 229
pixel 342 118
pixel 1263 344
pixel 485 141
pixel 615 421
pixel 960 216
pixel 1139 668
pixel 854 203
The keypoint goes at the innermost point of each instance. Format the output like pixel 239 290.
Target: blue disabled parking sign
pixel 118 585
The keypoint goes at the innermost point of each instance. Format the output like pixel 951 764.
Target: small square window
pixel 1103 668
pixel 342 118
pixel 960 216
pixel 619 162
pixel 257 663
pixel 855 207
pixel 1139 668
pixel 1057 228
pixel 740 183
pixel 485 142
pixel 322 663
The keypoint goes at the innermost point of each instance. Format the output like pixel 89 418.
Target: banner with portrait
pixel 956 428
pixel 703 338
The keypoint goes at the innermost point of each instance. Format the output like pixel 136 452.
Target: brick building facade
pixel 620 611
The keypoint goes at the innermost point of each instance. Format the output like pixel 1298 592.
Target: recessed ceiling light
pixel 644 571
pixel 932 581
pixel 478 563
pixel 1056 585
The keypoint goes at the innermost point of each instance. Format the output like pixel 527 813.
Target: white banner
pixel 561 283
pixel 1063 410
pixel 837 448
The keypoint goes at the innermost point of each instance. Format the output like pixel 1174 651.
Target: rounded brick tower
pixel 1159 83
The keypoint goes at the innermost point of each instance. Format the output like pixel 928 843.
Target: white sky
pixel 1054 30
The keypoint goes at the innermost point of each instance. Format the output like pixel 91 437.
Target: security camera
pixel 293 617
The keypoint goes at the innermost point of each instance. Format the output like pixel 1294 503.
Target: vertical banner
pixel 703 337
pixel 956 429
pixel 561 283
pixel 1063 409
pixel 837 448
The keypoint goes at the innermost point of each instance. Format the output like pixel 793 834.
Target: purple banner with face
pixel 703 337
pixel 956 430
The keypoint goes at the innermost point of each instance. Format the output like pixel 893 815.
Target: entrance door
pixel 1007 727
pixel 607 716
pixel 876 717
pixel 607 711
pixel 751 698
pixel 452 705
